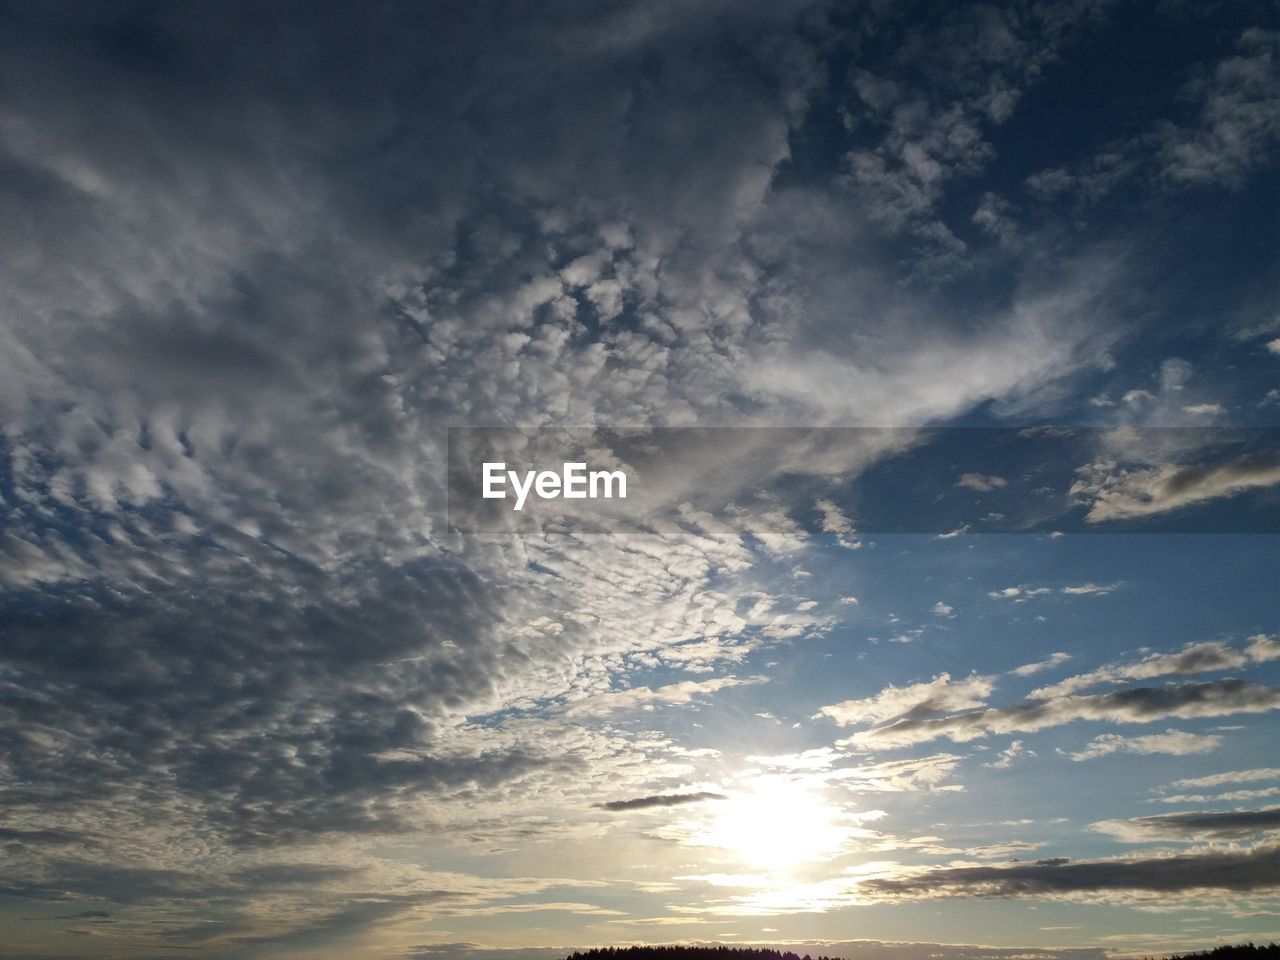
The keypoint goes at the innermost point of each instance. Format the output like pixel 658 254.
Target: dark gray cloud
pixel 1239 871
pixel 76 879
pixel 353 917
pixel 209 699
pixel 660 800
pixel 1132 705
pixel 1196 658
pixel 19 838
pixel 285 874
pixel 253 305
pixel 1227 825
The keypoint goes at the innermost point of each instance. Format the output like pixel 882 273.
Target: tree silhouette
pixel 1244 951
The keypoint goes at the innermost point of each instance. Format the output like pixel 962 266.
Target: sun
pixel 778 823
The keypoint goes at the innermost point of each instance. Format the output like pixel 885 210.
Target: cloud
pixel 1230 776
pixel 1053 660
pixel 1089 589
pixel 1208 657
pixel 981 482
pixel 241 646
pixel 1227 796
pixel 1238 871
pixel 1262 648
pixel 900 716
pixel 1232 134
pixel 245 618
pixel 1230 825
pixel 892 776
pixel 685 691
pixel 819 758
pixel 931 140
pixel 1018 593
pixel 939 695
pixel 660 800
pixel 1114 493
pixel 1023 592
pixel 291 874
pixel 1132 705
pixel 993 215
pixel 942 609
pixel 833 519
pixel 1008 755
pixel 1175 743
pixel 1222 779
pixel 1237 127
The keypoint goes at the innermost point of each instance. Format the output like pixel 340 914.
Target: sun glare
pixel 777 823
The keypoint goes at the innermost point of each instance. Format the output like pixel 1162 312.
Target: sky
pixel 941 340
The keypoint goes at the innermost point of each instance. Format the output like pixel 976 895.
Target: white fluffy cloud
pixel 1117 493
pixel 1195 658
pixel 1174 743
pixel 981 482
pixel 686 691
pixel 939 695
pixel 1053 660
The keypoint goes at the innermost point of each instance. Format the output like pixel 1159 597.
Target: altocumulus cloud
pixel 1228 825
pixel 959 710
pixel 1133 705
pixel 268 256
pixel 1237 871
pixel 1177 743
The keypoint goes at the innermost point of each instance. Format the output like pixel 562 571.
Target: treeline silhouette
pixel 692 953
pixel 1243 951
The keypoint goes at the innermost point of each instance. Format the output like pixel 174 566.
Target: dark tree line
pixel 693 953
pixel 1243 951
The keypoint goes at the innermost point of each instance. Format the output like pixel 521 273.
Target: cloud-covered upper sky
pixel 259 700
